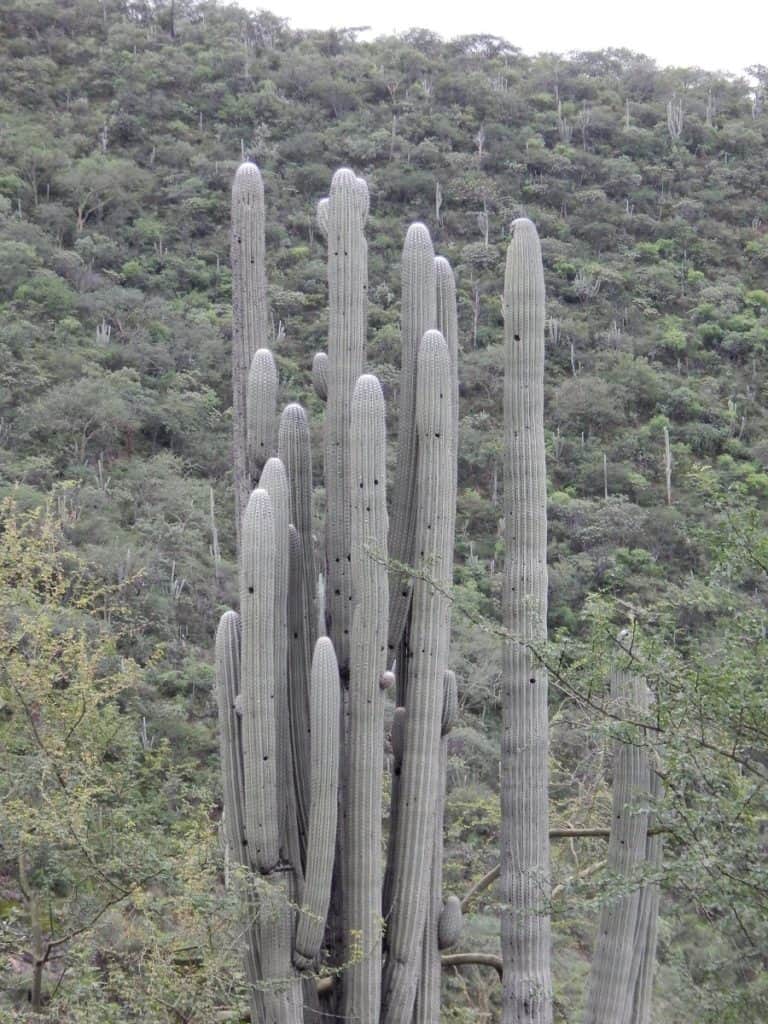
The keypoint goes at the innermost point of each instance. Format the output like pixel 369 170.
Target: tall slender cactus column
pixel 525 872
pixel 617 959
pixel 363 926
pixel 430 626
pixel 249 310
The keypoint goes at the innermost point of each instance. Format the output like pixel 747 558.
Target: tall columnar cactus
pixel 362 848
pixel 430 625
pixel 525 873
pixel 303 766
pixel 249 310
pixel 419 314
pixel 347 289
pixel 626 919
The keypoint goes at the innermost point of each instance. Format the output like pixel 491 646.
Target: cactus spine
pixel 525 926
pixel 303 769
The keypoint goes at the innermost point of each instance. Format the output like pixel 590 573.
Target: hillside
pixel 121 125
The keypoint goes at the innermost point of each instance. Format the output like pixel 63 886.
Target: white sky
pixel 727 36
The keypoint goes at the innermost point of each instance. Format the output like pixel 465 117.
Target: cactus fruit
pixel 527 984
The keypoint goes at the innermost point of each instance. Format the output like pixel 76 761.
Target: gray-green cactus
pixel 249 310
pixel 260 412
pixel 347 291
pixel 308 735
pixel 525 926
pixel 363 923
pixel 418 315
pixel 325 698
pixel 623 929
pixel 430 617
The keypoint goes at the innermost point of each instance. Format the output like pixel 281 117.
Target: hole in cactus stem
pixel 437 433
pixel 337 593
pixel 266 757
pixel 250 590
pixel 531 680
pixel 375 482
pixel 517 337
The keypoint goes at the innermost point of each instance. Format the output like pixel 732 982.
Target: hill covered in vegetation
pixel 120 128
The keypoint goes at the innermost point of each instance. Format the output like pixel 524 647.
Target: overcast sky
pixel 728 36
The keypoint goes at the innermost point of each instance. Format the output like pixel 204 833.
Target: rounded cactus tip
pixel 367 386
pixel 523 230
pixel 248 183
pixel 386 680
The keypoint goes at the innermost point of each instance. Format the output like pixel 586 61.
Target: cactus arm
pixel 325 692
pixel 257 612
pixel 227 658
pixel 368 655
pixel 347 288
pixel 428 994
pixel 299 667
pixel 320 375
pixel 261 411
pixel 275 482
pixel 527 986
pixel 430 623
pixel 611 986
pixel 249 309
pixel 419 314
pixel 448 324
pixel 644 959
pixel 294 449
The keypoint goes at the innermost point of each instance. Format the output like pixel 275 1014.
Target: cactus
pixel 419 314
pixel 325 705
pixel 449 926
pixel 249 309
pixel 430 617
pixel 260 412
pixel 527 984
pixel 368 566
pixel 623 928
pixel 311 733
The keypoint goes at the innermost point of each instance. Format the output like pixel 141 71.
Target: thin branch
pixel 480 959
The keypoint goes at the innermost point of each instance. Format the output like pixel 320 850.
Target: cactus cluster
pixel 334 929
pixel 302 695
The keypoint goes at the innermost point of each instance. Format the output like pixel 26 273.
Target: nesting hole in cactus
pixel 250 590
pixel 517 337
